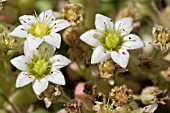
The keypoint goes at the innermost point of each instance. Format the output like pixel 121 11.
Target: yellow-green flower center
pixel 111 40
pixel 39 67
pixel 40 29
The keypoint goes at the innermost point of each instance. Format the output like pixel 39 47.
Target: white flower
pixel 40 67
pixel 42 28
pixel 112 40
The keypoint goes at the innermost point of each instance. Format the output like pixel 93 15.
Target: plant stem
pixel 8 101
pixel 136 97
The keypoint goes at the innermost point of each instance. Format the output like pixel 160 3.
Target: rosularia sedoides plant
pixel 84 56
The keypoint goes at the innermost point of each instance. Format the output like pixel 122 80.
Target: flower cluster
pixel 39 65
pixel 111 67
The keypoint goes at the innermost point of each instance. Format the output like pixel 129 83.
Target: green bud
pixel 74 13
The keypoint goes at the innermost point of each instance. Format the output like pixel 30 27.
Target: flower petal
pixel 28 53
pixel 91 37
pixel 33 43
pixel 150 108
pixel 27 20
pixel 102 22
pixel 99 55
pixel 23 79
pixel 40 85
pixel 132 42
pixel 56 77
pixel 59 25
pixel 121 57
pixel 54 39
pixel 20 62
pixel 47 50
pixel 59 61
pixel 47 16
pixel 20 32
pixel 125 25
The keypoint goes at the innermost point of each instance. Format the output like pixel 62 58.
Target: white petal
pixel 59 25
pixel 47 50
pixel 33 43
pixel 47 16
pixel 27 20
pixel 23 79
pixel 54 39
pixel 132 42
pixel 59 61
pixel 20 31
pixel 40 85
pixel 91 37
pixel 28 53
pixel 150 108
pixel 99 55
pixel 121 57
pixel 57 78
pixel 125 25
pixel 102 22
pixel 20 62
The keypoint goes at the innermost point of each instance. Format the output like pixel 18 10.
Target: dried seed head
pixel 121 95
pixel 74 13
pixel 153 95
pixel 161 38
pixel 49 94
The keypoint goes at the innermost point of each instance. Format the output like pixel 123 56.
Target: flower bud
pixel 161 37
pixel 153 95
pixel 121 95
pixel 7 43
pixel 107 68
pixel 73 13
